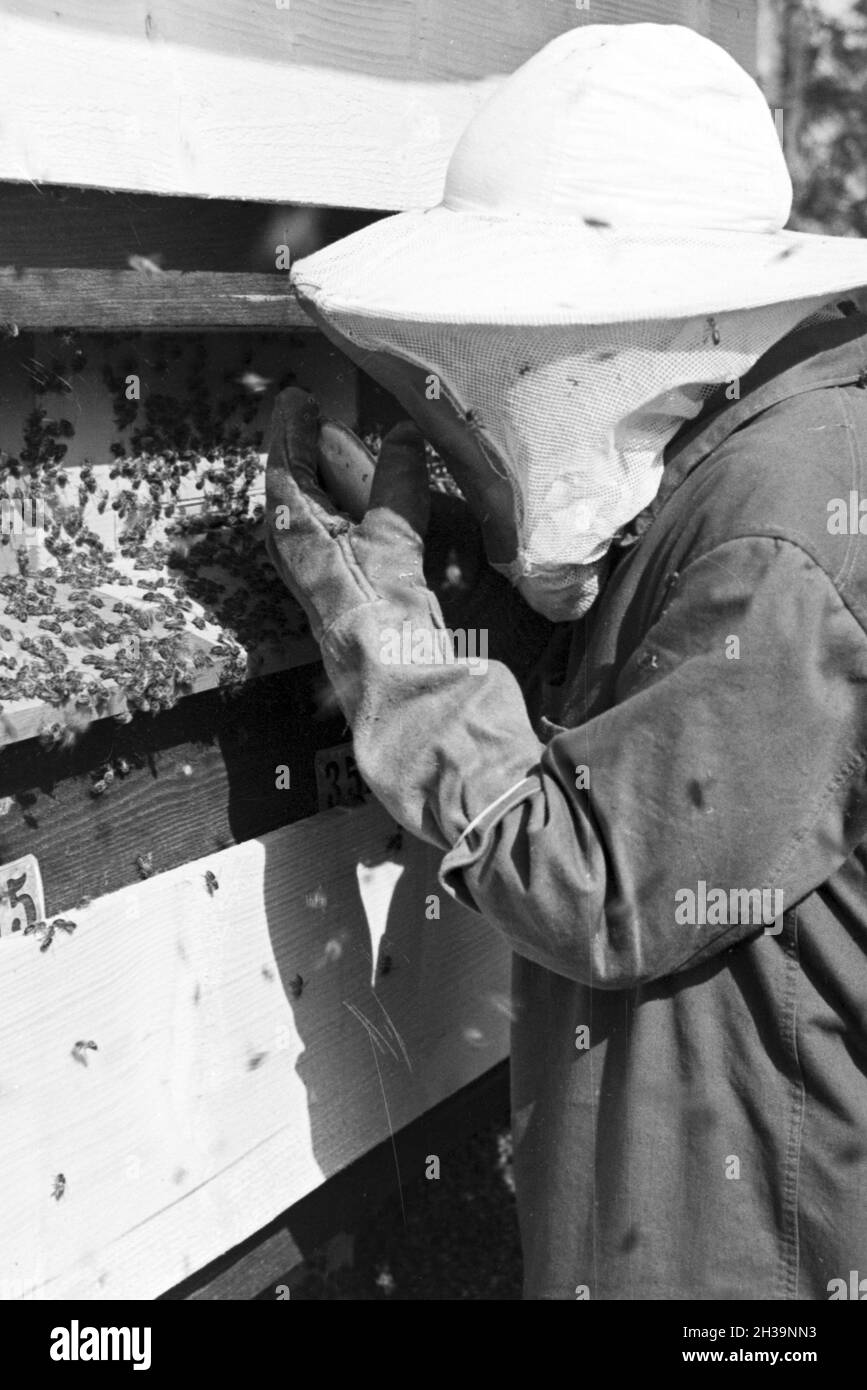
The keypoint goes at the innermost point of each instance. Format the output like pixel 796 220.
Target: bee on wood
pixel 211 882
pixel 296 986
pixel 59 1187
pixel 145 864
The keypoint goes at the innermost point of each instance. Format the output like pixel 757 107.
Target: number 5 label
pixel 22 901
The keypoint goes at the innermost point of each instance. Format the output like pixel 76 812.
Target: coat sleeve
pixel 734 757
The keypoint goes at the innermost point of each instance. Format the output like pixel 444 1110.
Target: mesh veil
pixel 577 417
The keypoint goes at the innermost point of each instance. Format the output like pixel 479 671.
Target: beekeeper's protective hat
pixel 623 172
pixel 607 249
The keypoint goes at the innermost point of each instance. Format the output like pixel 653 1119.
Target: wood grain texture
pixel 352 102
pixel 218 1095
pixel 199 777
pixel 119 299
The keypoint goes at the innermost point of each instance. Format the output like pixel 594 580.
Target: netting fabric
pixel 577 418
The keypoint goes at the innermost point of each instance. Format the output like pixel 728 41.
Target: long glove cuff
pixel 437 740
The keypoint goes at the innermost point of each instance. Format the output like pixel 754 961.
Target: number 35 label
pixel 338 781
pixel 22 900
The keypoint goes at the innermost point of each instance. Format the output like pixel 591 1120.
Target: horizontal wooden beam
pixel 356 103
pixel 130 299
pixel 100 229
pixel 200 776
pixel 255 1033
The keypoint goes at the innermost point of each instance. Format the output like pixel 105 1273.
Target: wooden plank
pixel 201 776
pixel 173 299
pixel 320 101
pixel 94 229
pixel 218 1094
pixel 268 1258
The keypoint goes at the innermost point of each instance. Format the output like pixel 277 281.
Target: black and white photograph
pixel 433 670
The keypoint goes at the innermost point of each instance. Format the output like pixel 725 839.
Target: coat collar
pixel 825 354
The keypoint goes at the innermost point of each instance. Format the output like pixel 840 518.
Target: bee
pixel 64 925
pixel 59 1187
pixel 148 265
pixel 296 986
pixel 145 864
pixel 99 787
pixel 81 1048
pixel 254 383
pixel 714 331
pixel 385 964
pixel 211 882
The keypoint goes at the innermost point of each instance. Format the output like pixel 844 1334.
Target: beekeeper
pixel 653 399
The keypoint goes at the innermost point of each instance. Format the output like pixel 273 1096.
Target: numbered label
pixel 338 781
pixel 22 900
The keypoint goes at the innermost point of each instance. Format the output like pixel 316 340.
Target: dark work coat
pixel 690 1077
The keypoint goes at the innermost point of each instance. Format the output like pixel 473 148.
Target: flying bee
pixel 59 1187
pixel 149 265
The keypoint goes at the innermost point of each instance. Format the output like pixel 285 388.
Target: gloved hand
pixel 471 595
pixel 422 727
pixel 330 565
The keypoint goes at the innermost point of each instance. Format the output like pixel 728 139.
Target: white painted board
pixel 215 1098
pixel 340 102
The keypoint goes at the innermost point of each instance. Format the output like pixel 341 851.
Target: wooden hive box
pixel 254 980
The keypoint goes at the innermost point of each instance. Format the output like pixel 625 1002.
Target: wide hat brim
pixel 451 266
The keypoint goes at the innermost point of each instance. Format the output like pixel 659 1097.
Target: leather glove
pixel 422 727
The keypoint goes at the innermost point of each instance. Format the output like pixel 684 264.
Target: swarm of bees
pixel 83 652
